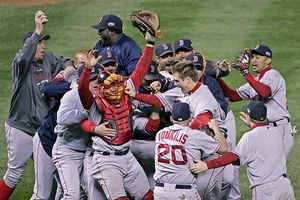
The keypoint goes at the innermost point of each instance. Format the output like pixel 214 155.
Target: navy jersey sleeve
pixel 217 92
pixel 56 89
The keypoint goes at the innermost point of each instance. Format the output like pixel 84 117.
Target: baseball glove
pixel 146 20
pixel 242 61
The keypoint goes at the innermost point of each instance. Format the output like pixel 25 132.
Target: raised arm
pixel 86 96
pixel 25 56
pixel 144 62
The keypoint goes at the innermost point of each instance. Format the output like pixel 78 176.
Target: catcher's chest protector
pixel 119 117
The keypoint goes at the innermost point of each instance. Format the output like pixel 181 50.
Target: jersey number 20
pixel 164 149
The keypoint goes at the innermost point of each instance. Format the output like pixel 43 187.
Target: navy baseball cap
pixel 197 59
pixel 181 111
pixel 163 49
pixel 183 44
pixel 262 50
pixel 256 110
pixel 107 56
pixel 94 73
pixel 29 34
pixel 152 73
pixel 111 22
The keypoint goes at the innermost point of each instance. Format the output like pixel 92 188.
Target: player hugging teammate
pixel 131 128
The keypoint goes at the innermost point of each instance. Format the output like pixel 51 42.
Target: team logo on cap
pixel 268 54
pixel 248 110
pixel 108 54
pixel 257 46
pixel 100 20
pixel 152 68
pixel 111 24
pixel 181 42
pixel 195 59
pixel 165 46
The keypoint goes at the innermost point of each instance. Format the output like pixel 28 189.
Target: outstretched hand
pixel 92 59
pixel 198 167
pixel 224 66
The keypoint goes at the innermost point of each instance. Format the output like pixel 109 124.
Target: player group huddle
pixel 114 124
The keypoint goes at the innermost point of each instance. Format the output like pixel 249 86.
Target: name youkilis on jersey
pixel 173 135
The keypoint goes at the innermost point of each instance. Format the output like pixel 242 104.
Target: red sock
pixel 5 191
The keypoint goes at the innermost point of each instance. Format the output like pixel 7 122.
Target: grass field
pixel 220 29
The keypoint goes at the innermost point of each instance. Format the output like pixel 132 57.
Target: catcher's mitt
pixel 146 20
pixel 242 61
pixel 111 86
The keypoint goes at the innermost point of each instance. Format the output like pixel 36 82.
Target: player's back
pixel 263 152
pixel 175 149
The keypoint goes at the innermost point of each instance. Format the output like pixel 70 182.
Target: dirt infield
pixel 26 2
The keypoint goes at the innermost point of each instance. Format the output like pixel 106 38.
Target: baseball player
pixel 32 67
pixel 191 91
pixel 217 70
pixel 44 140
pixel 182 48
pixel 201 65
pixel 176 148
pixel 70 146
pixel 165 58
pixel 143 144
pixel 114 166
pixel 269 87
pixel 80 58
pixel 265 160
pixel 126 49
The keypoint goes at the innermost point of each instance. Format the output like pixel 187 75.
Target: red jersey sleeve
pixel 227 158
pixel 85 94
pixel 142 66
pixel 228 92
pixel 88 126
pixel 262 89
pixel 149 99
pixel 201 120
pixel 152 125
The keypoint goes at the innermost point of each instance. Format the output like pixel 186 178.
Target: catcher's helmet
pixel 111 86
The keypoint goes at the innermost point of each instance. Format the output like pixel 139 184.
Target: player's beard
pixel 106 40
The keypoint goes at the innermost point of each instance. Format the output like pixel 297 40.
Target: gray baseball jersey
pixel 262 150
pixel 70 146
pixel 143 150
pixel 276 104
pixel 200 101
pixel 116 173
pixel 175 149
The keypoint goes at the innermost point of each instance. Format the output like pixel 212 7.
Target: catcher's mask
pixel 111 86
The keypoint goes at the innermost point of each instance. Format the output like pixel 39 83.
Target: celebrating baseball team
pixel 114 124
